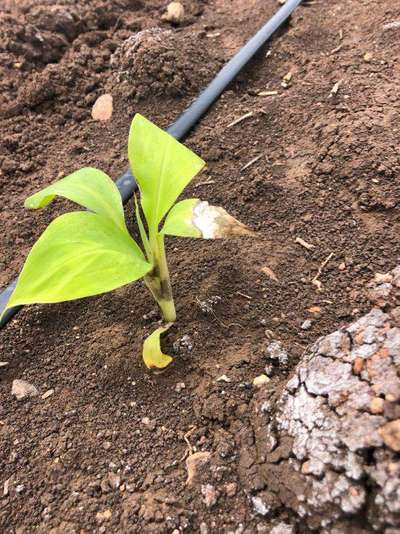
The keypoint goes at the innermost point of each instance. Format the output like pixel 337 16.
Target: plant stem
pixel 158 280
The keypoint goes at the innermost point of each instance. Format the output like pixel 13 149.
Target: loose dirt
pixel 106 451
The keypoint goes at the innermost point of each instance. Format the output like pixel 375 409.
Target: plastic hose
pixel 191 116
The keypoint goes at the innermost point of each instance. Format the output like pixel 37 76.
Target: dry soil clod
pixel 194 464
pixel 342 400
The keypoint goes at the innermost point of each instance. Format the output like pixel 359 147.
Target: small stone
pixel 307 324
pixel 183 344
pixel 367 57
pixel 107 445
pixel 179 386
pixel 114 480
pixel 275 351
pixel 282 528
pixel 22 389
pixel 47 394
pixel 223 378
pixel 3 364
pixel 260 381
pixel 394 25
pixel 383 278
pixel 210 496
pixel 20 488
pixel 314 309
pixel 6 487
pixel 231 489
pixel 342 266
pixel 203 528
pixel 103 108
pixel 377 405
pixel 390 433
pixel 175 13
pixel 104 516
pixel 259 506
pixel 269 369
pixel 146 421
pixel 286 81
pixel 266 407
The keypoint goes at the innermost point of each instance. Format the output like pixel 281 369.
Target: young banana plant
pixel 85 253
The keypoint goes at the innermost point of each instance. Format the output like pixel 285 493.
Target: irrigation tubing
pixel 191 116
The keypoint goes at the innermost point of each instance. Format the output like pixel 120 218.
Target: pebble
pixel 306 324
pixel 107 445
pixel 390 433
pixel 47 394
pixel 183 344
pixel 151 425
pixel 203 528
pixel 367 57
pixel 175 13
pixel 286 81
pixel 275 351
pixel 259 506
pixel 209 495
pixel 20 488
pixel 103 108
pixel 223 378
pixel 6 487
pixel 179 386
pixel 114 480
pixel 377 405
pixel 102 516
pixel 3 364
pixel 282 528
pixel 22 389
pixel 260 381
pixel 231 489
pixel 269 369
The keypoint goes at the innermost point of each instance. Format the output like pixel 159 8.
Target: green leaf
pixel 179 221
pixel 78 255
pixel 88 187
pixel 196 218
pixel 162 166
pixel 153 357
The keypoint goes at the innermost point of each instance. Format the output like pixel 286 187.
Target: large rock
pixel 331 454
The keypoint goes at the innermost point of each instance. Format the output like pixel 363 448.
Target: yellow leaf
pixel 153 357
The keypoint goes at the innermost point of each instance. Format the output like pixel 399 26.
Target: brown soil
pixel 328 174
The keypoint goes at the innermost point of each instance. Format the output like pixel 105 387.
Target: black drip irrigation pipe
pixel 191 116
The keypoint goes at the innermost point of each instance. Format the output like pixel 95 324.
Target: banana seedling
pixel 85 253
